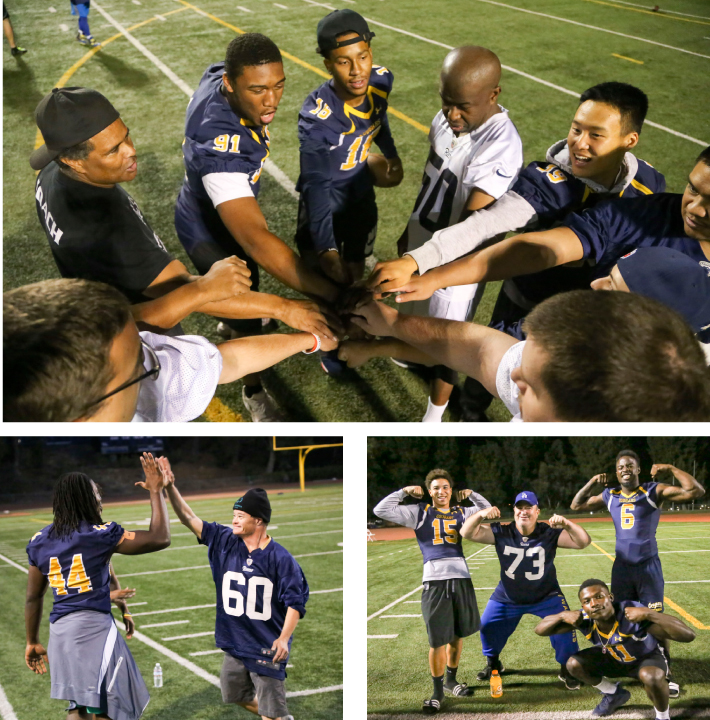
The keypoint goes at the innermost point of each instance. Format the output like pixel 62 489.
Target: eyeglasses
pixel 152 373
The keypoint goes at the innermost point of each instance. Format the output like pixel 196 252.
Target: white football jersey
pixel 190 366
pixel 489 159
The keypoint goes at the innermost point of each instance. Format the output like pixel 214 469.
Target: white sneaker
pixel 262 406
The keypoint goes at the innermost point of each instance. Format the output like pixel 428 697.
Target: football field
pixel 174 611
pixel 398 674
pixel 155 51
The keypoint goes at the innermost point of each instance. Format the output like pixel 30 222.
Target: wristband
pixel 316 346
pixel 127 614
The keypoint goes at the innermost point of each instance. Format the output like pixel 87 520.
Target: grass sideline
pixel 543 47
pixel 317 647
pixel 398 677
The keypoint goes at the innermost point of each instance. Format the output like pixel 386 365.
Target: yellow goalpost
pixel 303 450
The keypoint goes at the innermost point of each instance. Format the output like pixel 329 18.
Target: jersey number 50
pixel 253 588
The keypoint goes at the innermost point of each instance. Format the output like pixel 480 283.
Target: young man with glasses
pixel 72 352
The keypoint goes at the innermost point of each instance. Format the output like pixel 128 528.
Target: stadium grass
pixel 398 675
pixel 317 645
pixel 571 56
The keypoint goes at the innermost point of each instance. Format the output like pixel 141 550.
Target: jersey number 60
pixel 253 584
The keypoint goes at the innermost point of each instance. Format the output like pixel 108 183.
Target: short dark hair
pixel 76 152
pixel 57 336
pixel 74 500
pixel 704 156
pixel 615 356
pixel 248 50
pixel 629 101
pixel 628 453
pixel 437 474
pixel 590 583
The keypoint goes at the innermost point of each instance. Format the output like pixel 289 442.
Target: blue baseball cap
pixel 526 496
pixel 669 276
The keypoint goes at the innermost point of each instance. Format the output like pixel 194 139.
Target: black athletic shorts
pixel 602 664
pixel 450 610
pixel 642 582
pixel 355 229
pixel 5 13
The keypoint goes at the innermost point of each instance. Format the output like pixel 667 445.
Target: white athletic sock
pixel 663 714
pixel 434 413
pixel 607 687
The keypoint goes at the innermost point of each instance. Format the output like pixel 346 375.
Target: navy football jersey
pixel 627 642
pixel 217 140
pixel 77 566
pixel 554 193
pixel 335 140
pixel 527 570
pixel 635 517
pixel 254 591
pixel 438 531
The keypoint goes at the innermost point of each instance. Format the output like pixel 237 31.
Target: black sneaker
pixel 17 51
pixel 492 663
pixel 611 702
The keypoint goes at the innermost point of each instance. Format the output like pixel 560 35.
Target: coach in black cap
pixel 94 227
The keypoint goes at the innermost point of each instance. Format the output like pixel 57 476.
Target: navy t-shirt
pixel 254 591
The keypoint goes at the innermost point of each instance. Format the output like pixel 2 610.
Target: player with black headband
pixel 337 212
pixel 448 600
pixel 626 639
pixel 217 215
pixel 261 595
pixel 89 662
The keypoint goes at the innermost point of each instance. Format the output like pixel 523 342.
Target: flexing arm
pixel 280 645
pixel 560 623
pixel 157 537
pixel 583 501
pixel 245 221
pixel 690 488
pixel 474 530
pixel 389 508
pixel 573 536
pixel 182 509
pixel 37 585
pixel 663 627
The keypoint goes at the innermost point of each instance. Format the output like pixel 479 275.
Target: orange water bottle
pixel 496 685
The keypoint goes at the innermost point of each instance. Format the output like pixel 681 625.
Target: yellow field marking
pixel 302 63
pixel 623 57
pixel 217 411
pixel 649 12
pixel 667 601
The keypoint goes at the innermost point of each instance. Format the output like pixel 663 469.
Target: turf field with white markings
pixel 398 675
pixel 174 611
pixel 155 52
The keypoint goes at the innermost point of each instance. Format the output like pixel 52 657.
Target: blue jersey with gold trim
pixel 217 140
pixel 77 566
pixel 635 517
pixel 527 570
pixel 438 531
pixel 335 140
pixel 627 642
pixel 254 591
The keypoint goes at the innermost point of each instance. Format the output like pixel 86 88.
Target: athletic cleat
pixel 611 702
pixel 458 689
pixel 17 51
pixel 673 689
pixel 571 683
pixel 492 664
pixel 261 406
pixel 431 706
pixel 87 40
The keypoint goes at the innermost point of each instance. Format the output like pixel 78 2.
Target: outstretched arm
pixel 560 623
pixel 35 653
pixel 473 530
pixel 182 509
pixel 583 501
pixel 690 488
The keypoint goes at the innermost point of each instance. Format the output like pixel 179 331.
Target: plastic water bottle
pixel 158 677
pixel 496 685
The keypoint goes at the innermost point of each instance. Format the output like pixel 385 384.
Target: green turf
pixel 398 675
pixel 317 646
pixel 571 56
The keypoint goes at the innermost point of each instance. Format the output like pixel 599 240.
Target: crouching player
pixel 261 595
pixel 90 663
pixel 626 644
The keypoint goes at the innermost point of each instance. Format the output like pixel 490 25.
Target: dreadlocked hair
pixel 74 500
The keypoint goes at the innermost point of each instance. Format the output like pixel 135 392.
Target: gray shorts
pixel 450 610
pixel 91 665
pixel 239 685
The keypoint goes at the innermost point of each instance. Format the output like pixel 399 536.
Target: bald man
pixel 474 158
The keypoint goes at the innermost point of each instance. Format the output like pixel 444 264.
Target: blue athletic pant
pixel 500 620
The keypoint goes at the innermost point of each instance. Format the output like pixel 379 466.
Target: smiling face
pixel 440 491
pixel 350 66
pixel 526 516
pixel 244 524
pixel 597 603
pixel 597 142
pixel 627 472
pixel 255 95
pixel 696 205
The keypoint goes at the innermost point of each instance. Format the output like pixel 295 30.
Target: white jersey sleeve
pixel 190 367
pixel 224 186
pixel 508 391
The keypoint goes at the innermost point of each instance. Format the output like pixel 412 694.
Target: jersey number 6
pixel 253 588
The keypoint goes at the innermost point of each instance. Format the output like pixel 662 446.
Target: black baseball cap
pixel 341 22
pixel 67 117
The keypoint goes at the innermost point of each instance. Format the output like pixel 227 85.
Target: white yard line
pixel 184 637
pixel 381 637
pixel 327 552
pixel 322 532
pixel 206 652
pixel 321 592
pixel 158 572
pixel 650 7
pixel 172 622
pixel 170 610
pixel 400 616
pixel 6 711
pixel 14 564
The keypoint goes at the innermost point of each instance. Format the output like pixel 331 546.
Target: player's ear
pixel 227 84
pixel 494 94
pixel 631 140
